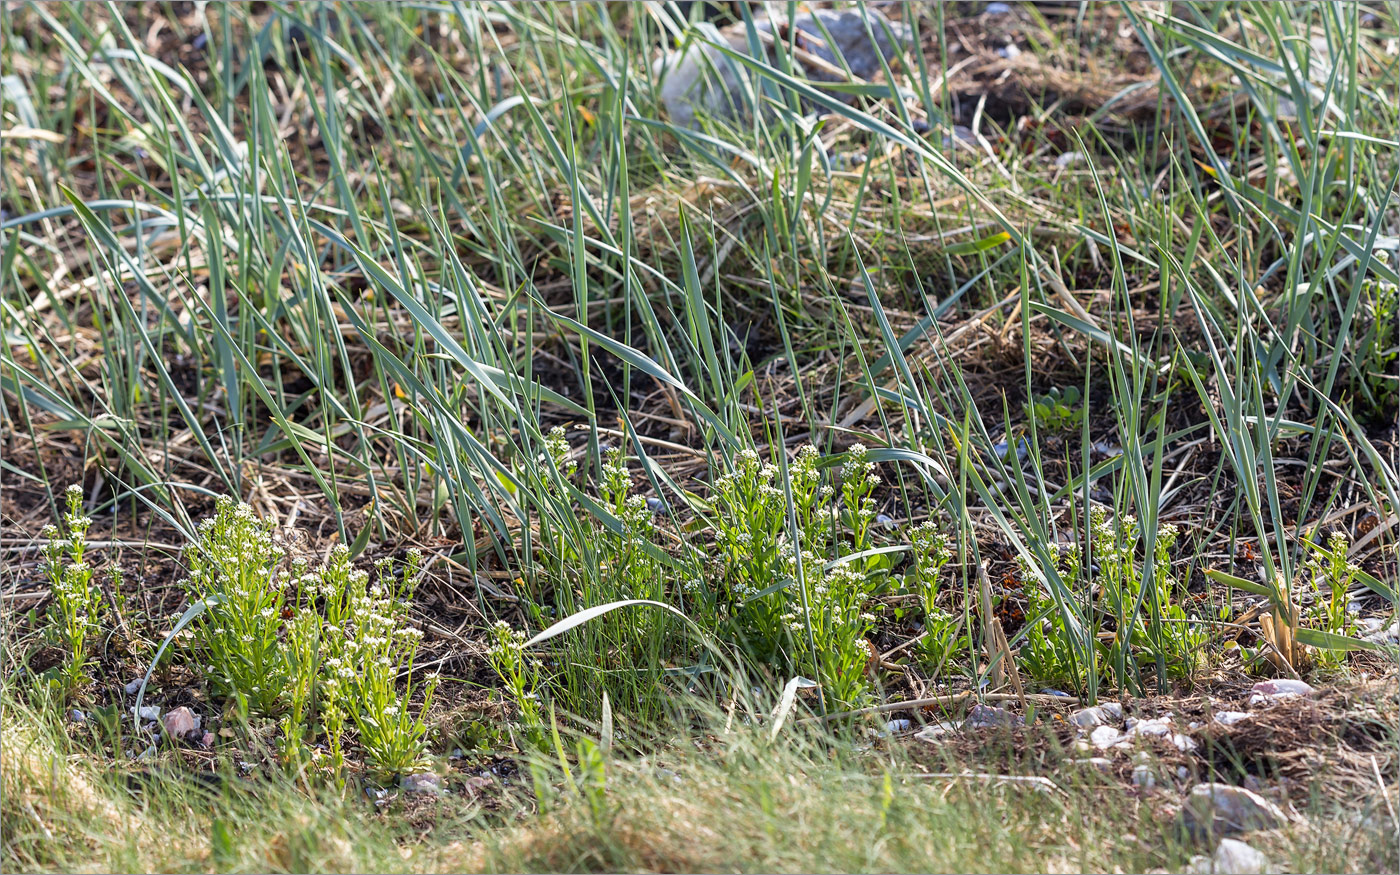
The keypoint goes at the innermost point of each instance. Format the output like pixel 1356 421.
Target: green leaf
pixel 1332 641
pixel 1230 580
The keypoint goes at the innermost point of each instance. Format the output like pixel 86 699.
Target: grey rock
pixel 1223 809
pixel 421 782
pixel 1104 737
pixel 1099 715
pixel 701 78
pixel 987 717
pixel 1183 742
pixel 147 712
pixel 134 687
pixel 1160 727
pixel 1383 634
pixel 1231 857
pixel 997 9
pixel 1087 717
pixel 1144 777
pixel 1067 158
pixel 668 775
pixel 77 717
pixel 1103 764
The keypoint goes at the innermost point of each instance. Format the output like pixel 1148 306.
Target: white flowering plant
pixel 234 567
pixel 1330 574
pixel 321 649
pixel 858 482
pixel 76 601
pixel 380 647
pixel 519 671
pixel 756 556
pixel 1150 625
pixel 1047 649
pixel 1159 631
pixel 754 551
pixel 930 553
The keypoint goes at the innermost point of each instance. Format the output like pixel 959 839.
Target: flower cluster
pixel 761 547
pixel 76 600
pixel 520 672
pixel 326 646
pixel 233 568
pixel 931 552
pixel 858 482
pixel 557 446
pixel 1329 574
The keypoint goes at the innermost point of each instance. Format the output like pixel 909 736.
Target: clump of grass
pixel 1374 374
pixel 712 801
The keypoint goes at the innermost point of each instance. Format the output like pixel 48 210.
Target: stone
pixel 1182 742
pixel 1381 633
pixel 135 686
pixel 934 732
pixel 1086 718
pixel 1144 777
pixel 77 717
pixel 1160 727
pixel 1230 718
pixel 147 712
pixel 421 782
pixel 180 722
pixel 702 79
pixel 1105 737
pixel 997 8
pixel 1223 809
pixel 477 784
pixel 987 717
pixel 1103 764
pixel 1231 857
pixel 1279 688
